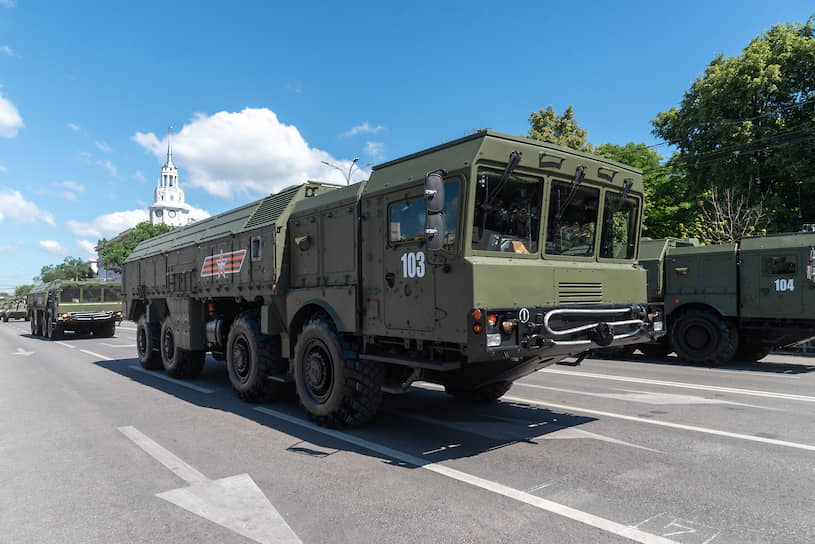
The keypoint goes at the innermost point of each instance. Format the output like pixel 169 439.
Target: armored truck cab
pixel 78 306
pixel 734 301
pixel 470 264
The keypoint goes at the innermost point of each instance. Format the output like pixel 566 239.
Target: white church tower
pixel 168 206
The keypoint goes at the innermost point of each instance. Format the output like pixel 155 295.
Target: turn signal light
pixel 477 328
pixel 492 320
pixel 477 315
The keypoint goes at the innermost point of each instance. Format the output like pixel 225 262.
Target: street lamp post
pixel 347 176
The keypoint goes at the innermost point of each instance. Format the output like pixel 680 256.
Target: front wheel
pixel 702 336
pixel 52 329
pixel 334 386
pixel 251 357
pixel 485 393
pixel 178 363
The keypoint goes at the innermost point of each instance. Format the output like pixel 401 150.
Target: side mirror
pixel 434 210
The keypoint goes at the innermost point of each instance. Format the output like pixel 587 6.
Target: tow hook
pixel 602 334
pixel 534 341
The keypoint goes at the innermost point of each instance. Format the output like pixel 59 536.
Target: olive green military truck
pixel 732 301
pixel 14 309
pixel 470 265
pixel 78 306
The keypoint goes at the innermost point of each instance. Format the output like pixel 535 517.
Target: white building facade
pixel 168 206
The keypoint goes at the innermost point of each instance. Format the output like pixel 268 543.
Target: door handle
pixel 390 277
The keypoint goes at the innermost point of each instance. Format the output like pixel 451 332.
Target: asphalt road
pixel 94 449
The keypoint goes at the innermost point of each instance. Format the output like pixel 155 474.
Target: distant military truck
pixel 3 305
pixel 79 306
pixel 14 309
pixel 470 265
pixel 732 301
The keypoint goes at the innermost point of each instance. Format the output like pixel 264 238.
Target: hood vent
pixel 579 293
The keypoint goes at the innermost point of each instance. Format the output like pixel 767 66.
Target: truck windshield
pixel 619 227
pixel 507 218
pixel 571 229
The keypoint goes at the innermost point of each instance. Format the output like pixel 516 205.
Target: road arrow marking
pixel 21 351
pixel 236 503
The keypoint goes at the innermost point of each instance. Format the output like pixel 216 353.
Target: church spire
pixel 170 147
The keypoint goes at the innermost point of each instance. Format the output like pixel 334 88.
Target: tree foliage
pixel 22 290
pixel 115 252
pixel 563 129
pixel 748 123
pixel 71 268
pixel 727 218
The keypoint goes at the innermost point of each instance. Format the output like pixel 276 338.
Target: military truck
pixel 470 265
pixel 732 301
pixel 14 309
pixel 79 306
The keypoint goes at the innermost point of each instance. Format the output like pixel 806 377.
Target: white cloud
pixel 139 176
pixel 73 127
pixel 249 152
pixel 3 169
pixel 375 150
pixel 19 210
pixel 87 246
pixel 103 146
pixel 8 3
pixel 10 120
pixel 6 50
pixel 108 225
pixel 107 165
pixel 364 128
pixel 9 248
pixel 70 185
pixel 52 246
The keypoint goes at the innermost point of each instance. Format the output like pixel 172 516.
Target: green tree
pixel 70 269
pixel 559 129
pixel 22 290
pixel 115 252
pixel 748 123
pixel 671 209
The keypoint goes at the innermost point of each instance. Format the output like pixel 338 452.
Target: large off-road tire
pixel 52 329
pixel 334 386
pixel 485 393
pixel 33 324
pixel 38 329
pixel 251 357
pixel 107 330
pixel 5 319
pixel 178 363
pixel 700 336
pixel 147 344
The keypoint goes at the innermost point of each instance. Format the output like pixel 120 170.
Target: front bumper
pixel 558 332
pixel 88 318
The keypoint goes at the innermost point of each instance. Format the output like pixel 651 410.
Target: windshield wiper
pixel 579 174
pixel 627 184
pixel 512 164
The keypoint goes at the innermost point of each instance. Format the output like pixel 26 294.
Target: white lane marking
pixel 750 392
pixel 236 502
pixel 24 353
pixel 488 430
pixel 603 524
pixel 173 380
pixel 657 422
pixel 66 345
pixel 96 355
pixel 118 345
pixel 645 397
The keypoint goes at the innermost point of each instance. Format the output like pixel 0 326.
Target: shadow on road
pixel 759 366
pixel 426 424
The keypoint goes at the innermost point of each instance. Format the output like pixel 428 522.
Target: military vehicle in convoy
pixel 470 264
pixel 732 301
pixel 13 309
pixel 78 306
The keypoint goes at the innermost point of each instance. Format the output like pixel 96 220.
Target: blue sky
pixel 259 93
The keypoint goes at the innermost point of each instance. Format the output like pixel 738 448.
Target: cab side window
pixel 780 266
pixel 406 219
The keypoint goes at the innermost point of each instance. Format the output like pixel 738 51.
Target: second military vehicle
pixel 470 265
pixel 14 309
pixel 732 301
pixel 78 306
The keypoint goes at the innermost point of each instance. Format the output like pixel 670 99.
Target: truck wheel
pixel 178 363
pixel 105 331
pixel 251 357
pixel 334 386
pixel 701 336
pixel 5 319
pixel 33 324
pixel 52 330
pixel 147 345
pixel 38 329
pixel 485 393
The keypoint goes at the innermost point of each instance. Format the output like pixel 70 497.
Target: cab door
pixel 774 282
